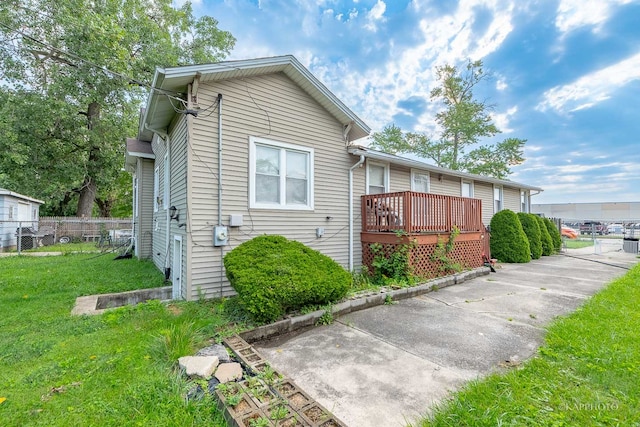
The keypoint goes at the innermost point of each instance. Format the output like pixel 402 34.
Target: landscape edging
pixel 308 320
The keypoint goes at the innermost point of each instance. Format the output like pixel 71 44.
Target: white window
pixel 497 199
pixel 156 188
pixel 420 181
pixel 280 175
pixel 524 201
pixel 466 189
pixel 377 178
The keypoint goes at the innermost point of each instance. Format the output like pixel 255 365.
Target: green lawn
pixel 586 374
pixel 111 370
pixel 577 244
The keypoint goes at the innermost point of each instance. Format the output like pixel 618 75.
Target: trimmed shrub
pixel 545 237
pixel 556 238
pixel 273 276
pixel 532 230
pixel 508 241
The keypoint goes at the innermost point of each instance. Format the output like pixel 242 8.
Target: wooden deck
pixel 393 219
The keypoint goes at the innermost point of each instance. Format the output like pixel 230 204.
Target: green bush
pixel 556 238
pixel 545 237
pixel 532 230
pixel 508 241
pixel 273 276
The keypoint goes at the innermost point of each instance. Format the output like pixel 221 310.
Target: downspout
pixel 358 164
pixel 219 159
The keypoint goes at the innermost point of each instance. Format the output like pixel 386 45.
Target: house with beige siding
pixel 233 150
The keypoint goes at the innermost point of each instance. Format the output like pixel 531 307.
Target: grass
pixel 113 369
pixel 587 373
pixel 577 244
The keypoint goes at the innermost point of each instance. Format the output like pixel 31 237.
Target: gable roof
pixel 159 110
pixel 5 192
pixel 419 164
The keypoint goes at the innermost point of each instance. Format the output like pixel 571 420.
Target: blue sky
pixel 565 73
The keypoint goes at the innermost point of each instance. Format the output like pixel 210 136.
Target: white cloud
pixel 501 84
pixel 592 88
pixel 445 39
pixel 375 15
pixel 501 120
pixel 573 14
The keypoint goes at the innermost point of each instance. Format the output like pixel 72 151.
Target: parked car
pixel 615 229
pixel 596 227
pixel 568 232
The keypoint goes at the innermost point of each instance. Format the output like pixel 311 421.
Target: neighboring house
pixel 229 151
pixel 16 210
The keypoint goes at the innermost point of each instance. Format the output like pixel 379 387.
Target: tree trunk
pixel 89 189
pixel 105 206
pixel 87 198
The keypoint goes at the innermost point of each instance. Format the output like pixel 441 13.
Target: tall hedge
pixel 273 276
pixel 532 230
pixel 556 238
pixel 508 241
pixel 547 242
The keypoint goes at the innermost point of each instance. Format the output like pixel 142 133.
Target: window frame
pixel 525 203
pixel 500 188
pixel 472 189
pixel 283 147
pixel 416 172
pixel 385 166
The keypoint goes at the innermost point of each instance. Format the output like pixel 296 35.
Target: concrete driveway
pixel 387 365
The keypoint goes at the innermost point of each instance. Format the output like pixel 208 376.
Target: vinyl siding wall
pixel 484 192
pixel 270 107
pixel 511 199
pixel 158 226
pixel 144 221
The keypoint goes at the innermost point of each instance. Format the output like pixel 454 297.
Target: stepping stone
pixel 229 372
pixel 199 366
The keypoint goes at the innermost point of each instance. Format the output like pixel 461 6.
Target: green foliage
pixel 179 339
pixel 532 230
pixel 508 241
pixel 464 122
pixel 585 374
pixel 556 238
pixel 441 253
pixel 74 74
pixel 391 264
pixel 545 237
pixel 62 370
pixel 327 317
pixel 274 276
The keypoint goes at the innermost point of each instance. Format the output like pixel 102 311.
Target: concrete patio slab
pixel 387 365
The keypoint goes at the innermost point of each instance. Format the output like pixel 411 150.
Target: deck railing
pixel 414 213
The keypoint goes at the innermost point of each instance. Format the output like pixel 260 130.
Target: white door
pixel 176 268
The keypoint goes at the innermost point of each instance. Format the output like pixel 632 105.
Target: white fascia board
pixel 403 161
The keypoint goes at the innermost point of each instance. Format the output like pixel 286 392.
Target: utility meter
pixel 220 235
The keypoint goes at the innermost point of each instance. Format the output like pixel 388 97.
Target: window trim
pixel 283 147
pixel 165 193
pixel 501 188
pixel 527 202
pixel 386 175
pixel 472 189
pixel 415 172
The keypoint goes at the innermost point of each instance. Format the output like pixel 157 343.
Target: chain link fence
pixel 56 232
pixel 617 235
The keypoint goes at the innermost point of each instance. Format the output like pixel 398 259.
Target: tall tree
pixel 463 123
pixel 79 70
